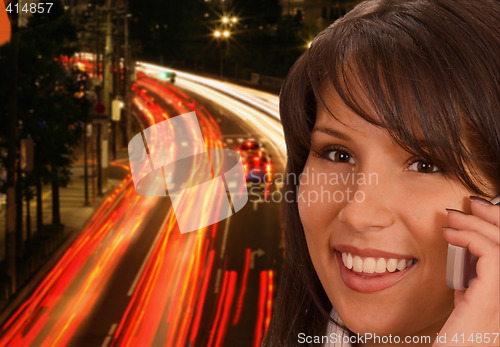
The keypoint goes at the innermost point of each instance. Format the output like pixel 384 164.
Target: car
pixel 250 148
pixel 258 168
pixel 257 163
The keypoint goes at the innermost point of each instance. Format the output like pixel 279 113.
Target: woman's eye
pixel 423 167
pixel 340 156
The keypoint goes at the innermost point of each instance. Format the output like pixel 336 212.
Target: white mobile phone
pixel 461 264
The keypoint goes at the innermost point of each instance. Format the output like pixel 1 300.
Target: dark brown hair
pixel 430 70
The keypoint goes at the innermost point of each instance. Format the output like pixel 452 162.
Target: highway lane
pixel 238 281
pixel 252 245
pixel 66 298
pixel 213 287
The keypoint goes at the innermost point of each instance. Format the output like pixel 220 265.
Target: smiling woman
pixel 408 91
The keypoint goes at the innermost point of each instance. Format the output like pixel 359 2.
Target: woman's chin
pixel 379 322
pixel 379 328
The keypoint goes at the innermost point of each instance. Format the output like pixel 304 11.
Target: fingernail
pixel 453 210
pixel 448 228
pixel 480 200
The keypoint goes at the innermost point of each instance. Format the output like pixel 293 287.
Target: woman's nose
pixel 371 209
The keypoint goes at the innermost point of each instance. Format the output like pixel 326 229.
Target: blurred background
pixel 84 259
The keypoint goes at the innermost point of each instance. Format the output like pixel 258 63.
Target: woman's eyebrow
pixel 331 132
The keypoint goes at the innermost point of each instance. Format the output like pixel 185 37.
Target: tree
pixel 48 111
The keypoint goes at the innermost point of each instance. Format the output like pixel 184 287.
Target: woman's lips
pixel 371 274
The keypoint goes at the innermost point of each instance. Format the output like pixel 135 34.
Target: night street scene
pixel 103 240
pixel 249 173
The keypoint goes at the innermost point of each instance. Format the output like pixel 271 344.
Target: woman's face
pixel 372 215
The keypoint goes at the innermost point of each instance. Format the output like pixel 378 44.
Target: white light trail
pixel 256 108
pixel 267 102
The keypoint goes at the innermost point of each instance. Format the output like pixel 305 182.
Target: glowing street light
pixel 224 34
pixel 234 19
pixel 225 19
pixel 222 37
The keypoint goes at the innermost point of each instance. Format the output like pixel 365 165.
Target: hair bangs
pixel 384 74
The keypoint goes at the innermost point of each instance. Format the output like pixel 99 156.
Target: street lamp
pixel 227 22
pixel 222 35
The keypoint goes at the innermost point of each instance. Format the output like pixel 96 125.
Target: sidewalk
pixel 49 243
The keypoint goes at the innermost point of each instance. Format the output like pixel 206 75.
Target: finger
pixel 478 244
pixel 461 221
pixel 485 210
pixel 488 264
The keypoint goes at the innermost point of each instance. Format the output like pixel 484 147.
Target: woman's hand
pixel 475 321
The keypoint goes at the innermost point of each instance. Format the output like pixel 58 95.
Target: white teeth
pixel 372 265
pixel 392 264
pixel 401 265
pixel 348 262
pixel 381 266
pixel 357 264
pixel 369 265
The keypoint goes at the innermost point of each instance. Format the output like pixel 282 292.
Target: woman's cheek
pixel 322 194
pixel 314 212
pixel 314 217
pixel 306 211
pixel 317 216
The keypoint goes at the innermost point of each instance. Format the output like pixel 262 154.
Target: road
pixel 131 278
